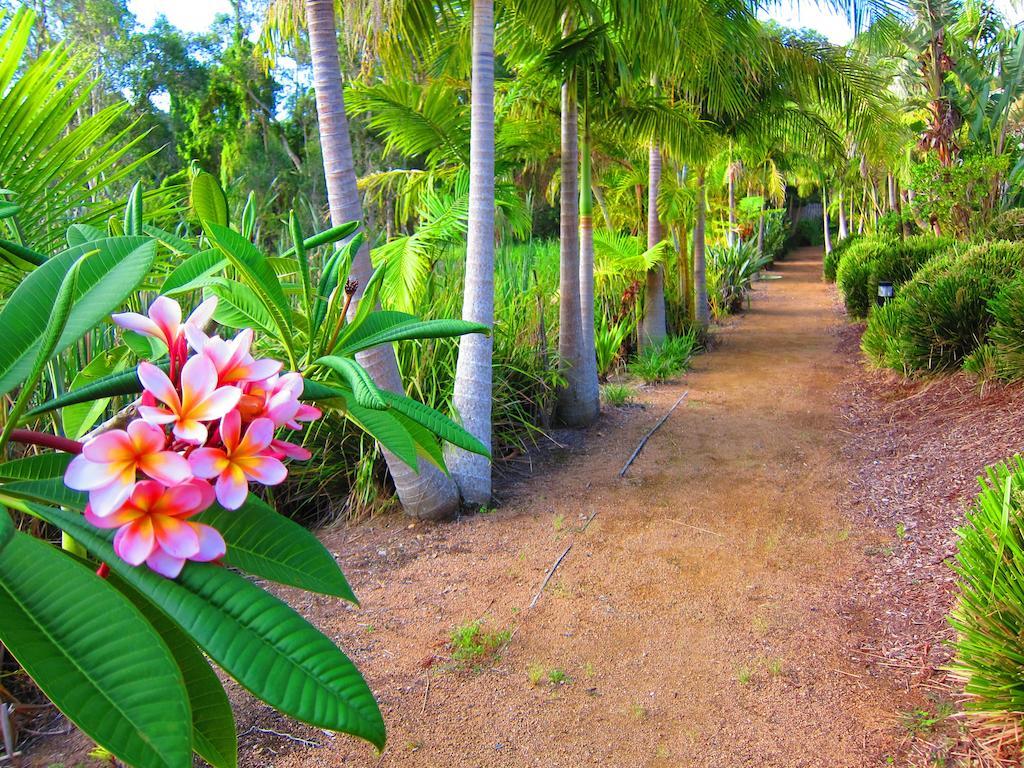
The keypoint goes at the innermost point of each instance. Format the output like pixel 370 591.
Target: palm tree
pixel 427 493
pixel 654 328
pixel 473 377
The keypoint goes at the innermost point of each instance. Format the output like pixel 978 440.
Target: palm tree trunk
pixel 824 218
pixel 702 310
pixel 891 180
pixel 573 408
pixel 653 330
pixel 760 228
pixel 589 386
pixel 844 231
pixel 429 493
pixel 471 398
pixel 732 210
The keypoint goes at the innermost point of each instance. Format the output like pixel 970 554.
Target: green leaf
pixel 427 444
pixel 213 722
pixel 337 265
pixel 79 419
pixel 208 200
pixel 386 430
pixel 80 234
pixel 143 347
pixel 332 235
pixel 49 490
pixel 239 307
pixel 115 385
pixel 104 281
pixel 6 528
pixel 435 421
pixel 93 654
pixel 42 465
pixel 254 269
pixel 194 272
pixel 178 245
pixel 269 545
pixel 259 640
pixel 367 304
pixel 366 393
pixel 133 211
pixel 9 210
pixel 15 253
pixel 415 329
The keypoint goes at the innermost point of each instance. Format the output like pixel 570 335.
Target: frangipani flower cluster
pixel 206 429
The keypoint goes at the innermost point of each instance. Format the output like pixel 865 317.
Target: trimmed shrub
pixel 872 260
pixel 989 613
pixel 1007 332
pixel 1008 225
pixel 882 341
pixel 945 307
pixel 831 260
pixel 854 272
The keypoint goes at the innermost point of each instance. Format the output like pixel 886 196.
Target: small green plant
pixel 536 674
pixel 639 711
pixel 775 667
pixel 471 643
pixel 656 363
pixel 744 675
pixel 559 523
pixel 616 394
pixel 558 676
pixel 589 670
pixel 922 721
pixel 901 530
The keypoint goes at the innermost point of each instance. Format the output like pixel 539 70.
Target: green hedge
pixel 831 261
pixel 1008 225
pixel 871 260
pixel 943 314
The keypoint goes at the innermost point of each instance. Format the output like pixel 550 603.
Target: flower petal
pixel 191 431
pixel 156 382
pixel 177 501
pixel 146 438
pixel 265 470
pixel 116 519
pixel 113 446
pixel 165 564
pixel 232 488
pixel 175 537
pixel 133 321
pixel 168 467
pixel 257 437
pixel 202 314
pixel 166 313
pixel 196 338
pixel 217 404
pixel 206 494
pixel 291 450
pixel 207 462
pixel 230 430
pixel 108 499
pixel 153 415
pixel 85 475
pixel 135 541
pixel 211 543
pixel 198 380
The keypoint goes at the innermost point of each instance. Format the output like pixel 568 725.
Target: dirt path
pixel 700 618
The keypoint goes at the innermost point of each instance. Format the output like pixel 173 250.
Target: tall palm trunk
pixel 574 407
pixel 760 227
pixel 732 234
pixel 430 493
pixel 891 182
pixel 844 231
pixel 702 310
pixel 473 373
pixel 654 329
pixel 824 218
pixel 588 382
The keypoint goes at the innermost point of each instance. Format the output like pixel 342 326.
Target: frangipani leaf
pixel 93 654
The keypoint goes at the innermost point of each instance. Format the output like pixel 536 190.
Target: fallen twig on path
pixel 551 572
pixel 695 527
pixel 655 428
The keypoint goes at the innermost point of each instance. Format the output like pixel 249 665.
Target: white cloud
pixel 188 15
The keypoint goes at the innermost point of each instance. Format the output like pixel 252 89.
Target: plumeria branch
pixel 56 442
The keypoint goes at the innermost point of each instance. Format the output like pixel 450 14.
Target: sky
pixel 196 15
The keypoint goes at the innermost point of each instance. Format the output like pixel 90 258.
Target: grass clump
pixel 989 612
pixel 659 362
pixel 1008 225
pixel 470 643
pixel 831 260
pixel 617 394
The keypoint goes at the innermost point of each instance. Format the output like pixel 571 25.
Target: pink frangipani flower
pixel 231 358
pixel 164 320
pixel 201 399
pixel 108 465
pixel 242 459
pixel 153 527
pixel 282 402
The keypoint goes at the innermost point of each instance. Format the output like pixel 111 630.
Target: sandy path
pixel 683 647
